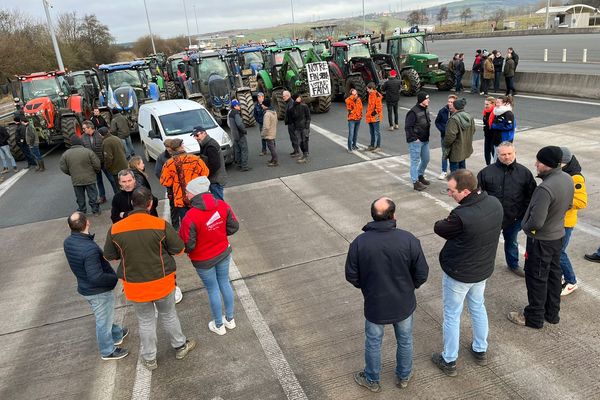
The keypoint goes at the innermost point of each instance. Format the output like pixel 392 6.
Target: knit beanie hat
pixel 566 155
pixel 550 156
pixel 460 104
pixel 422 96
pixel 198 185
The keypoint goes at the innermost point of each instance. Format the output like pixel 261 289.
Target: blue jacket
pixel 442 119
pixel 504 123
pixel 94 274
pixel 259 113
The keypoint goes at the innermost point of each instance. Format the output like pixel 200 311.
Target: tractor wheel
pixel 172 92
pixel 200 100
pixel 356 82
pixel 260 84
pixel 247 107
pixel 322 105
pixel 12 141
pixel 450 79
pixel 410 82
pixel 70 126
pixel 107 116
pixel 278 104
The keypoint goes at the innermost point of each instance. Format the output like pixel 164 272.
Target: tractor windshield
pixel 174 63
pixel 117 79
pixel 413 45
pixel 359 50
pixel 78 81
pixel 320 48
pixel 41 88
pixel 212 66
pixel 183 122
pixel 297 57
pixel 252 58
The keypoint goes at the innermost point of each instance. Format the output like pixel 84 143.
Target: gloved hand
pixel 374 113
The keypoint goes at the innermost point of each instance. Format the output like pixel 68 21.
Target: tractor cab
pixel 248 61
pixel 322 48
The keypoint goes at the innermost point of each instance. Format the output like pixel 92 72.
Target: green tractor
pixel 285 69
pixel 417 66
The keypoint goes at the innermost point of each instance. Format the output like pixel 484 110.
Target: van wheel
pixel 146 153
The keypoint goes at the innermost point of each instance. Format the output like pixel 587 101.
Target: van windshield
pixel 183 122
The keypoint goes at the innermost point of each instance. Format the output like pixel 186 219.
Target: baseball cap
pixel 197 129
pixel 234 103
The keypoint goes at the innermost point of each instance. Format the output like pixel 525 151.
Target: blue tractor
pixel 125 87
pixel 248 61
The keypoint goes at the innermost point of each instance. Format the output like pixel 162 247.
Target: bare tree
pixel 442 15
pixel 498 16
pixel 466 14
pixel 414 17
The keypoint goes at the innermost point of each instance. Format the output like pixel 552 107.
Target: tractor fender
pixel 153 91
pixel 337 71
pixel 75 103
pixel 266 78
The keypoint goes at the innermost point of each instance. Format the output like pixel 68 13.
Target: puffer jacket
pixel 178 171
pixel 504 123
pixel 269 125
pixel 205 228
pixel 580 195
pixel 94 143
pixel 488 68
pixel 375 107
pixel 458 141
pixel 355 108
pixel 81 164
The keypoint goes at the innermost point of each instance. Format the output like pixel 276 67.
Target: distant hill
pixel 483 8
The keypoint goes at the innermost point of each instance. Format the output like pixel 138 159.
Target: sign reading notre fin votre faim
pixel 318 79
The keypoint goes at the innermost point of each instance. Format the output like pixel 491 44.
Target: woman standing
pixel 504 119
pixel 488 134
pixel 136 164
pixel 374 116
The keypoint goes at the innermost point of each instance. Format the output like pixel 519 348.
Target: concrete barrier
pixel 524 32
pixel 569 85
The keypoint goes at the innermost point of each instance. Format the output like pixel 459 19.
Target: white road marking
pixel 11 181
pixel 587 228
pixel 142 383
pixel 343 142
pixel 558 100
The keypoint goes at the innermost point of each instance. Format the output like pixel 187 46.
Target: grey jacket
pixel 31 136
pixel 94 143
pixel 458 139
pixel 236 124
pixel 545 217
pixel 119 126
pixel 82 165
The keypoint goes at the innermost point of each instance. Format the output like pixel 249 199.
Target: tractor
pixel 154 74
pixel 125 87
pixel 352 66
pixel 417 66
pixel 212 83
pixel 87 84
pixel 322 48
pixel 247 61
pixel 285 69
pixel 51 105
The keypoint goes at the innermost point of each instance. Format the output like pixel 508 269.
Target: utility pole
pixel 548 15
pixel 364 20
pixel 150 28
pixel 61 66
pixel 293 22
pixel 196 16
pixel 187 24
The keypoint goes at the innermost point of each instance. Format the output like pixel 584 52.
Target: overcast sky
pixel 127 20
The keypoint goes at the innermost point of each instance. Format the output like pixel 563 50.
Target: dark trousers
pixel 485 85
pixel 543 279
pixel 263 142
pixel 293 138
pixel 488 149
pixel 458 165
pixel 273 149
pixel 458 83
pixel 27 154
pixel 302 135
pixel 392 107
pixel 497 75
pixel 240 151
pixel 179 214
pixel 174 211
pixel 510 85
pixel 92 194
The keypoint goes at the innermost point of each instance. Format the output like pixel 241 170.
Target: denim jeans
pixel 353 133
pixel 216 281
pixel 458 83
pixel 419 158
pixel 454 297
pixel 128 145
pixel 510 85
pixel 216 190
pixel 475 81
pixel 145 313
pixel 511 245
pixel 111 180
pixel 444 160
pixel 454 165
pixel 565 263
pixel 7 157
pixel 375 134
pixel 35 152
pixel 497 75
pixel 107 333
pixel 27 153
pixel 404 349
pixel 92 194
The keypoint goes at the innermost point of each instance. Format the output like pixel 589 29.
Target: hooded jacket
pixel 355 108
pixel 458 141
pixel 504 123
pixel 205 228
pixel 119 126
pixel 387 264
pixel 178 171
pixel 580 194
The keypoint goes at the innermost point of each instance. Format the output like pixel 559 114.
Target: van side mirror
pixel 153 135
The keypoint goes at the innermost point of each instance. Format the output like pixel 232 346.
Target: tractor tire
pixel 172 92
pixel 200 100
pixel 278 104
pixel 247 107
pixel 322 105
pixel 12 142
pixel 260 84
pixel 449 83
pixel 410 82
pixel 356 82
pixel 70 126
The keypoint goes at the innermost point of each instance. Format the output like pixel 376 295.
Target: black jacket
pixel 459 67
pixel 300 116
pixel 498 63
pixel 160 163
pixel 512 184
pixel 94 274
pixel 387 265
pixel 392 88
pixel 289 120
pixel 20 134
pixel 3 136
pixel 417 124
pixel 98 121
pixel 121 203
pixel 470 250
pixel 211 154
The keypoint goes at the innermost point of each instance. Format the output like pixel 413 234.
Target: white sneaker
pixel 178 295
pixel 229 324
pixel 219 331
pixel 568 289
pixel 443 176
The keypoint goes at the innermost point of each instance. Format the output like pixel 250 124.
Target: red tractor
pixel 54 108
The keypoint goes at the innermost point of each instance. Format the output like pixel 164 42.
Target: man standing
pixel 488 72
pixel 498 64
pixel 459 71
pixel 146 245
pixel 514 56
pixel 543 223
pixel 476 72
pixel 392 88
pixel 259 115
pixel 509 74
pixel 387 264
pixel 440 122
pixel 355 109
pixel 95 282
pixel 92 140
pixel 269 131
pixel 33 142
pixel 98 120
pixel 467 261
pixel 513 185
pixel 301 121
pixel 289 121
pixel 458 141
pixel 417 126
pixel 211 154
pixel 7 158
pixel 120 128
pixel 373 116
pixel 82 165
pixel 121 204
pixel 238 132
pixel 20 139
pixel 114 156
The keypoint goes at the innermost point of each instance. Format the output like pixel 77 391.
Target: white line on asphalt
pixel 11 181
pixel 104 392
pixel 587 228
pixel 527 96
pixel 281 368
pixel 343 142
pixel 142 383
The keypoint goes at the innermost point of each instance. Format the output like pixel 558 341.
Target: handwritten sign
pixel 319 82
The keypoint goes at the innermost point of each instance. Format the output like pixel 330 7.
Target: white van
pixel 172 119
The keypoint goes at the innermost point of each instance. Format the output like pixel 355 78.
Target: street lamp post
pixel 548 15
pixel 61 66
pixel 293 23
pixel 196 16
pixel 187 24
pixel 364 20
pixel 150 28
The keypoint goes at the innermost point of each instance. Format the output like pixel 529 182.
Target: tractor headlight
pixel 16 100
